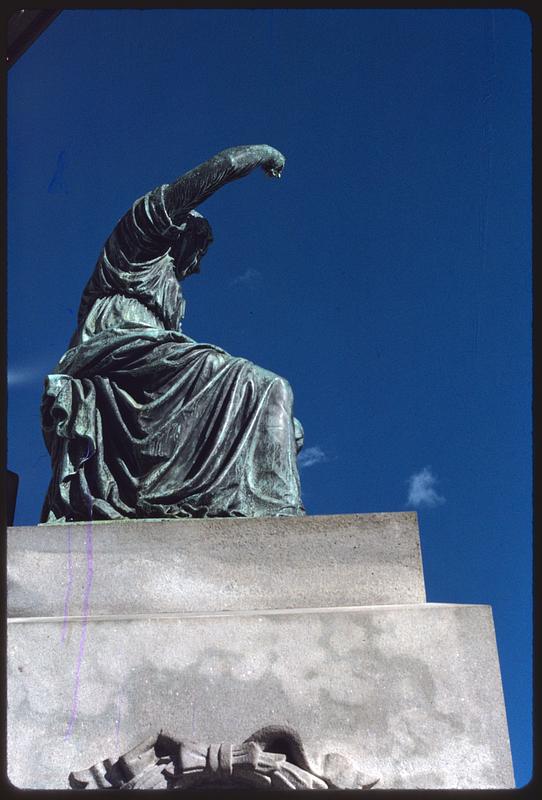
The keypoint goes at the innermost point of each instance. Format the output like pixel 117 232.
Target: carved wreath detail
pixel 272 758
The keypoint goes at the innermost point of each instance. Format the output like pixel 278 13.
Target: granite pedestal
pixel 215 628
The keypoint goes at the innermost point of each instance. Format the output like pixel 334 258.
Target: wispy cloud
pixel 23 376
pixel 311 456
pixel 421 491
pixel 248 276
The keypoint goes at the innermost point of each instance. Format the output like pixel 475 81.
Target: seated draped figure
pixel 140 420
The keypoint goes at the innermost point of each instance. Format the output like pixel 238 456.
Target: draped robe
pixel 142 421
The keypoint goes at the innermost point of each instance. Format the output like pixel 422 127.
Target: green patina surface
pixel 140 420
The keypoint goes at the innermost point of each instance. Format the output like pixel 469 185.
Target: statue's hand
pixel 274 165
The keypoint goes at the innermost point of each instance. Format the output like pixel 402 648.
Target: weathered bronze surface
pixel 142 421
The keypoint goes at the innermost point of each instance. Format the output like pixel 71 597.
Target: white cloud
pixel 22 376
pixel 311 456
pixel 247 276
pixel 421 490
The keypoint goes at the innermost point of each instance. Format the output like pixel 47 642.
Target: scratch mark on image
pixel 84 624
pixel 56 184
pixel 69 586
pixel 117 718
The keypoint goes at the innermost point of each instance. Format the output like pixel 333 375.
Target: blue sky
pixel 387 275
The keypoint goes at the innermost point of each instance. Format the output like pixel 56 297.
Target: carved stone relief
pixel 272 758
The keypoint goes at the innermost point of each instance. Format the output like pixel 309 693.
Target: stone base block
pixel 215 564
pixel 411 693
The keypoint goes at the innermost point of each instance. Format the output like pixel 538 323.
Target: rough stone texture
pixel 411 692
pixel 198 565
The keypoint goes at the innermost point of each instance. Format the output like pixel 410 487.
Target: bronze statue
pixel 140 420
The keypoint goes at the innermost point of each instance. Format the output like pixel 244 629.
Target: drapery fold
pixel 148 423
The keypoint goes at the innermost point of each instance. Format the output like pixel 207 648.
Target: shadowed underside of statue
pixel 140 420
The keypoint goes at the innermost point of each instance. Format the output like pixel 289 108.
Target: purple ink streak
pixel 117 721
pixel 69 586
pixel 84 623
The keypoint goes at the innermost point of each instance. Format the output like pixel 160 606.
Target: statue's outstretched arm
pixel 201 182
pixel 154 221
